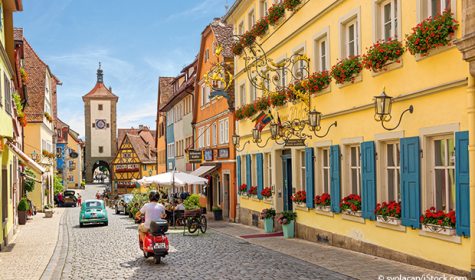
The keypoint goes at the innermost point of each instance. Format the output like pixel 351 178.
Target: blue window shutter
pixel 462 184
pixel 335 178
pixel 248 172
pixel 309 177
pixel 260 175
pixel 238 168
pixel 368 179
pixel 410 182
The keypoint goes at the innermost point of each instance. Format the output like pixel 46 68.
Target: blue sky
pixel 135 41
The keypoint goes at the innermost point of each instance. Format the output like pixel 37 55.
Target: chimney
pixel 141 126
pixel 217 19
pixel 110 89
pixel 148 150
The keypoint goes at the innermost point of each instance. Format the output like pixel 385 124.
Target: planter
pixel 352 213
pixel 49 213
pixel 218 214
pixel 438 229
pixel 269 225
pixel 22 217
pixel 301 204
pixel 254 196
pixel 323 208
pixel 288 229
pixel 388 220
pixel 268 199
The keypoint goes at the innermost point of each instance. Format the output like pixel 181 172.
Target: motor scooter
pixel 155 242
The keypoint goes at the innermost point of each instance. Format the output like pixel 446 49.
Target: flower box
pixel 49 213
pixel 254 197
pixel 352 213
pixel 301 204
pixel 268 199
pixel 388 220
pixel 438 229
pixel 323 208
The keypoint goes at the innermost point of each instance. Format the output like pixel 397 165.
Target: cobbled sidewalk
pixel 350 263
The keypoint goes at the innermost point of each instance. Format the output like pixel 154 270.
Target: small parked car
pixel 69 199
pixel 121 204
pixel 93 211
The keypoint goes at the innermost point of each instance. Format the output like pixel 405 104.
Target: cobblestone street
pixel 112 252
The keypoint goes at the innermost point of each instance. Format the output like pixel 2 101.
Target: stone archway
pixel 99 164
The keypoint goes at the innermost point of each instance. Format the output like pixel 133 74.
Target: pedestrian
pixel 98 195
pixel 79 199
pixel 60 199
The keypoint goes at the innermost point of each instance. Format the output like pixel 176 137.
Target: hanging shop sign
pixel 294 142
pixel 223 153
pixel 208 154
pixel 195 156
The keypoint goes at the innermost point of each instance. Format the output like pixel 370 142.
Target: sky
pixel 135 41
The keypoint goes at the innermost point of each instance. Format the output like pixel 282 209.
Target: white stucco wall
pixel 100 137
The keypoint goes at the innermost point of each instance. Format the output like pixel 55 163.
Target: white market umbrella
pixel 173 178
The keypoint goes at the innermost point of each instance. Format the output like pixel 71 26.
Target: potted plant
pixel 351 205
pixel 253 192
pixel 323 202
pixel 382 54
pixel 287 220
pixel 389 213
pixel 347 69
pixel 267 193
pixel 29 185
pixel 292 5
pixel 46 192
pixel 276 12
pixel 22 208
pixel 438 222
pixel 218 213
pixel 48 211
pixel 268 216
pixel 300 198
pixel 242 189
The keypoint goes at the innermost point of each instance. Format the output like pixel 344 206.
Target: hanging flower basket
pixel 381 54
pixel 48 117
pixel 347 69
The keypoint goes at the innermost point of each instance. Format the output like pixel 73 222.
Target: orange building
pixel 213 124
pixel 165 89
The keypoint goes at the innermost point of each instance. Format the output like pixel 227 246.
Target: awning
pixel 202 170
pixel 28 161
pixel 30 178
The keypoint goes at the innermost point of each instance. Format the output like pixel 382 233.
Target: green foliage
pixel 48 206
pixel 102 168
pixel 83 183
pixel 267 213
pixel 58 187
pixel 216 209
pixel 29 185
pixel 286 217
pixel 192 202
pixel 23 205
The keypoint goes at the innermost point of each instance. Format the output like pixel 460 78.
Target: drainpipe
pixel 471 151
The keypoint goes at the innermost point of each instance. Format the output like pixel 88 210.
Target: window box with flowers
pixel 388 213
pixel 438 222
pixel 48 117
pixel 293 5
pixel 253 193
pixel 431 34
pixel 351 205
pixel 267 194
pixel 300 200
pixel 323 202
pixel 276 14
pixel 347 71
pixel 243 190
pixel 24 76
pixel 47 154
pixel 383 56
pixel 261 27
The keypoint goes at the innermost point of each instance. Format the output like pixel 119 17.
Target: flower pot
pixel 323 208
pixel 352 213
pixel 218 214
pixel 288 229
pixel 388 220
pixel 22 217
pixel 269 225
pixel 438 229
pixel 49 213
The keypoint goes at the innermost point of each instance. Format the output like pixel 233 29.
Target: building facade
pixel 422 164
pixel 165 90
pixel 75 150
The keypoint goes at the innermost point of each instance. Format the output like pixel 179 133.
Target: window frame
pixel 203 94
pixel 100 107
pixel 396 167
pixel 423 11
pixel 446 169
pixel 263 8
pixel 101 149
pixel 251 18
pixel 242 93
pixel 301 167
pixel 343 25
pixel 215 134
pixel 325 168
pixel 207 132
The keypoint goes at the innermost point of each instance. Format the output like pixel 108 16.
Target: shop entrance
pixel 287 180
pixel 226 195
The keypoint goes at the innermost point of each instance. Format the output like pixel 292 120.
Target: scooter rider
pixel 152 211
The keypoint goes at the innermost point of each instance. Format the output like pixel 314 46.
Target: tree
pixel 58 187
pixel 103 168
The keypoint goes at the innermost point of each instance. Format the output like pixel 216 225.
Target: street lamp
pixel 236 140
pixel 382 107
pixel 34 156
pixel 150 172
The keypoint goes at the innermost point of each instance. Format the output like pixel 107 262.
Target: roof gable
pixel 100 92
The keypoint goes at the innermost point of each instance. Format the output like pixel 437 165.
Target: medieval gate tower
pixel 100 115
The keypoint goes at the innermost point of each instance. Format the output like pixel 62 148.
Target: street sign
pixel 73 155
pixel 294 142
pixel 195 156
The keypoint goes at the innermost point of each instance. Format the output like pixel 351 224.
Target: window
pixel 355 170
pixel 224 131
pixel 443 172
pixel 251 17
pixel 438 6
pixel 59 132
pixel 241 28
pixel 101 149
pixel 144 167
pixel 392 172
pixel 263 9
pixel 252 93
pixel 266 81
pixel 215 140
pixel 171 150
pixel 326 178
pixel 302 171
pixel 207 94
pixel 242 92
pixel 299 68
pixel 214 46
pixel 179 148
pixel 100 107
pixel 388 14
pixel 268 170
pixel 59 152
pixel 201 142
pixel 352 38
pixel 206 55
pixel 8 94
pixel 203 94
pixel 349 34
pixel 207 136
pixel 243 170
pixel 189 142
pixel 321 50
pixel 188 105
pixel 170 117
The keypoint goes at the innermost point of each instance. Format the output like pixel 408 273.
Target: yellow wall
pixel 72 144
pixel 442 106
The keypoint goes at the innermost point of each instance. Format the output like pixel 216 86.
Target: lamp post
pixel 383 105
pixel 236 140
pixel 34 156
pixel 150 172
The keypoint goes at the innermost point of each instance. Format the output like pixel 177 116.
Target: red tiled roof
pixel 17 34
pixel 140 148
pixel 100 92
pixel 221 31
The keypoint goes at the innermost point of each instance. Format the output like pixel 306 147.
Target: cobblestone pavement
pixel 112 252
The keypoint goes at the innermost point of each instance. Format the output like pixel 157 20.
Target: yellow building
pixel 135 159
pixel 423 163
pixel 74 170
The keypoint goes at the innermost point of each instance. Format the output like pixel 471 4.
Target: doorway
pixel 226 208
pixel 287 181
pixel 4 204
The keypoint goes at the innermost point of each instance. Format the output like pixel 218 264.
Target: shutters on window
pixel 335 178
pixel 309 177
pixel 462 184
pixel 238 169
pixel 368 178
pixel 260 175
pixel 248 172
pixel 410 182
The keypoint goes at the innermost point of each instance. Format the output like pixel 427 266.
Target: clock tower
pixel 100 115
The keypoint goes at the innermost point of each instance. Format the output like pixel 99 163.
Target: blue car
pixel 93 211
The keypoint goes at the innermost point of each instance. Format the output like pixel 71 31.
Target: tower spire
pixel 100 78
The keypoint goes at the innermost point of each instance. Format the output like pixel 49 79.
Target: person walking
pixel 98 195
pixel 79 199
pixel 60 200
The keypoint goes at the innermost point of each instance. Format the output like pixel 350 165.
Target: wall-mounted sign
pixel 189 167
pixel 73 155
pixel 223 153
pixel 195 156
pixel 294 142
pixel 208 154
